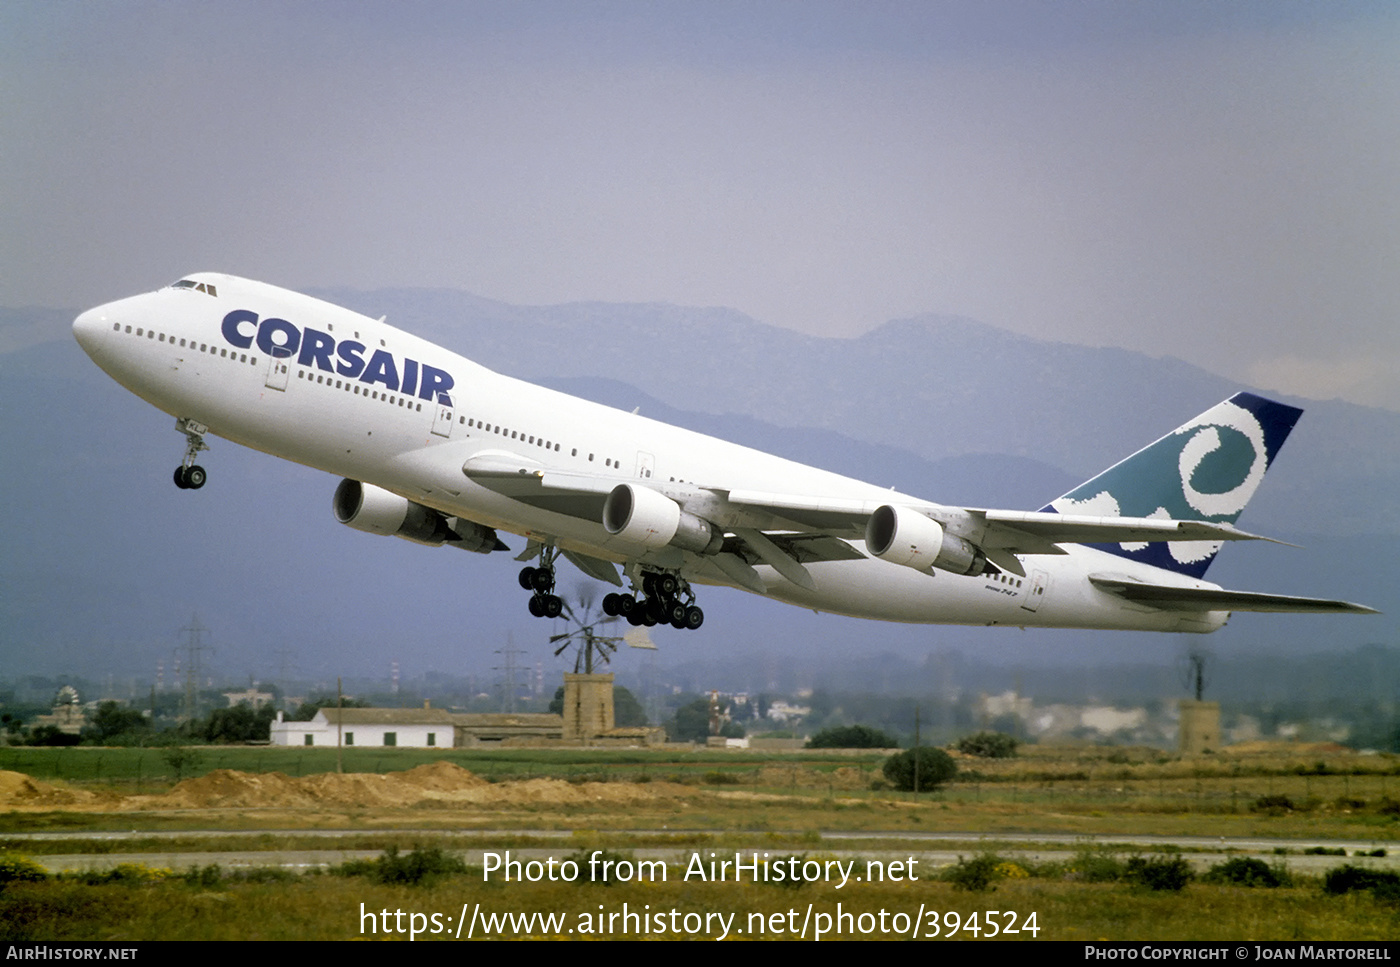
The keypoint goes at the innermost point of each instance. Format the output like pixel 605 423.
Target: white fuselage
pixel 363 400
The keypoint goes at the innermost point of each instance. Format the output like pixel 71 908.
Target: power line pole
pixel 194 644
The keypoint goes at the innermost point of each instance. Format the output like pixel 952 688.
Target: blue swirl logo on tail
pixel 1206 469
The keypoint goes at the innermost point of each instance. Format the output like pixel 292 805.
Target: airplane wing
pixel 1018 531
pixel 795 524
pixel 1218 599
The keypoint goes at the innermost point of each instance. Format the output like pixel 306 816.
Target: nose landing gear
pixel 188 475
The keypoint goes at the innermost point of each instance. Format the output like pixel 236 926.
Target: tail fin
pixel 1207 469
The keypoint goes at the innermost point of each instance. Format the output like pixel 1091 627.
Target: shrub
pixel 1273 805
pixel 600 871
pixel 1158 872
pixel 852 737
pixel 126 874
pixel 716 778
pixel 1383 884
pixel 207 877
pixel 1095 864
pixel 978 874
pixel 1244 871
pixel 785 862
pixel 20 869
pixel 421 866
pixel 935 767
pixel 988 745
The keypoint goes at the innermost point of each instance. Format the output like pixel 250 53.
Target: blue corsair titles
pixel 438 450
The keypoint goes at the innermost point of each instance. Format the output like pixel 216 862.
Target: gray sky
pixel 1218 182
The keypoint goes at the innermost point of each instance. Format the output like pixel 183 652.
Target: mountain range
pixel 105 560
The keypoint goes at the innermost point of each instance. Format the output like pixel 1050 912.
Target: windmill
pixel 1193 670
pixel 590 643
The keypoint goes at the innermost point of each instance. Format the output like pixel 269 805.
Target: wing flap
pixel 1051 528
pixel 1172 598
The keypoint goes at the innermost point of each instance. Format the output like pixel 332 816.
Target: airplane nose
pixel 90 329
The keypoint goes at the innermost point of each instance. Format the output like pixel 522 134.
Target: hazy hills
pixel 104 559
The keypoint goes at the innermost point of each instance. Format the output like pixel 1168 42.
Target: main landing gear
pixel 543 602
pixel 188 475
pixel 667 600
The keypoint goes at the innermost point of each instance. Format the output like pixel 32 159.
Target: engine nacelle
pixel 374 510
pixel 904 536
pixel 640 515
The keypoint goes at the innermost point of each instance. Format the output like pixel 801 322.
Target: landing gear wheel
pixel 180 478
pixel 195 477
pixel 527 578
pixel 694 617
pixel 536 606
pixel 634 618
pixel 553 606
pixel 610 607
pixel 543 579
pixel 666 585
pixel 675 613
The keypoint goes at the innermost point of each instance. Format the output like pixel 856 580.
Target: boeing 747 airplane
pixel 438 450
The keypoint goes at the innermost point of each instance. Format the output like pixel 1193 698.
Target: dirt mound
pixel 17 789
pixel 802 777
pixel 226 787
pixel 438 782
pixel 442 777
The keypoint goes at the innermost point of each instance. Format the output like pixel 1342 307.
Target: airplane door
pixel 646 465
pixel 279 370
pixel 442 421
pixel 1040 580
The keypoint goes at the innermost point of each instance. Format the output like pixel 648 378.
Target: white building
pixel 413 728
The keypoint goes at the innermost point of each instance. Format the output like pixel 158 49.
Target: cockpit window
pixel 197 286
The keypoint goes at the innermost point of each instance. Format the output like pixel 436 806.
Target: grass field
pixel 712 801
pixel 210 906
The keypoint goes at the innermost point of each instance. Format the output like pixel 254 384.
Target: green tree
pixel 988 745
pixel 627 711
pixel 852 737
pixel 691 722
pixel 242 723
pixel 111 720
pixel 935 767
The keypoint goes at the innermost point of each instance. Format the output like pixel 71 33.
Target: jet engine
pixel 642 516
pixel 374 510
pixel 904 536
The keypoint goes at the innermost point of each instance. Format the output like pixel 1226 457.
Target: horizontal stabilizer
pixel 1217 599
